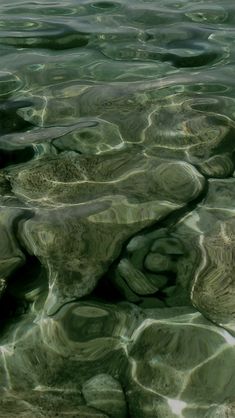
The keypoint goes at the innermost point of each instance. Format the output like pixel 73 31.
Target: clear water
pixel 117 214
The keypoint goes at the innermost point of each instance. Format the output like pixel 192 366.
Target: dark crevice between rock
pixel 175 216
pixel 227 144
pixel 105 291
pixel 15 300
pixel 10 121
pixel 18 295
pixel 128 413
pixel 60 41
pixel 22 281
pixel 194 61
pixel 104 5
pixel 21 155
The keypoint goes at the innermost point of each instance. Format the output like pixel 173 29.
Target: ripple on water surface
pixel 117 242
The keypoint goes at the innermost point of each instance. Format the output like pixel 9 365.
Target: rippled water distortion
pixel 117 214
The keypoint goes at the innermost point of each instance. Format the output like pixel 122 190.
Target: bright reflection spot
pixel 176 405
pixel 228 337
pixel 6 349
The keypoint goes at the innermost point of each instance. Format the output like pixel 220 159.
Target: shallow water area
pixel 117 209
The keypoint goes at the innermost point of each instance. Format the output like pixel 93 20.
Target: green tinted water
pixel 117 209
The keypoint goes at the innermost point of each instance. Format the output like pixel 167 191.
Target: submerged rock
pixel 207 268
pixel 153 360
pixel 11 255
pixel 105 393
pixel 150 262
pixel 117 209
pixel 213 288
pixel 218 166
pixel 149 113
pixel 135 279
pixel 79 202
pixel 194 259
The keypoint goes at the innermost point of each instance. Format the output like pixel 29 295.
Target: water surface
pixel 117 214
